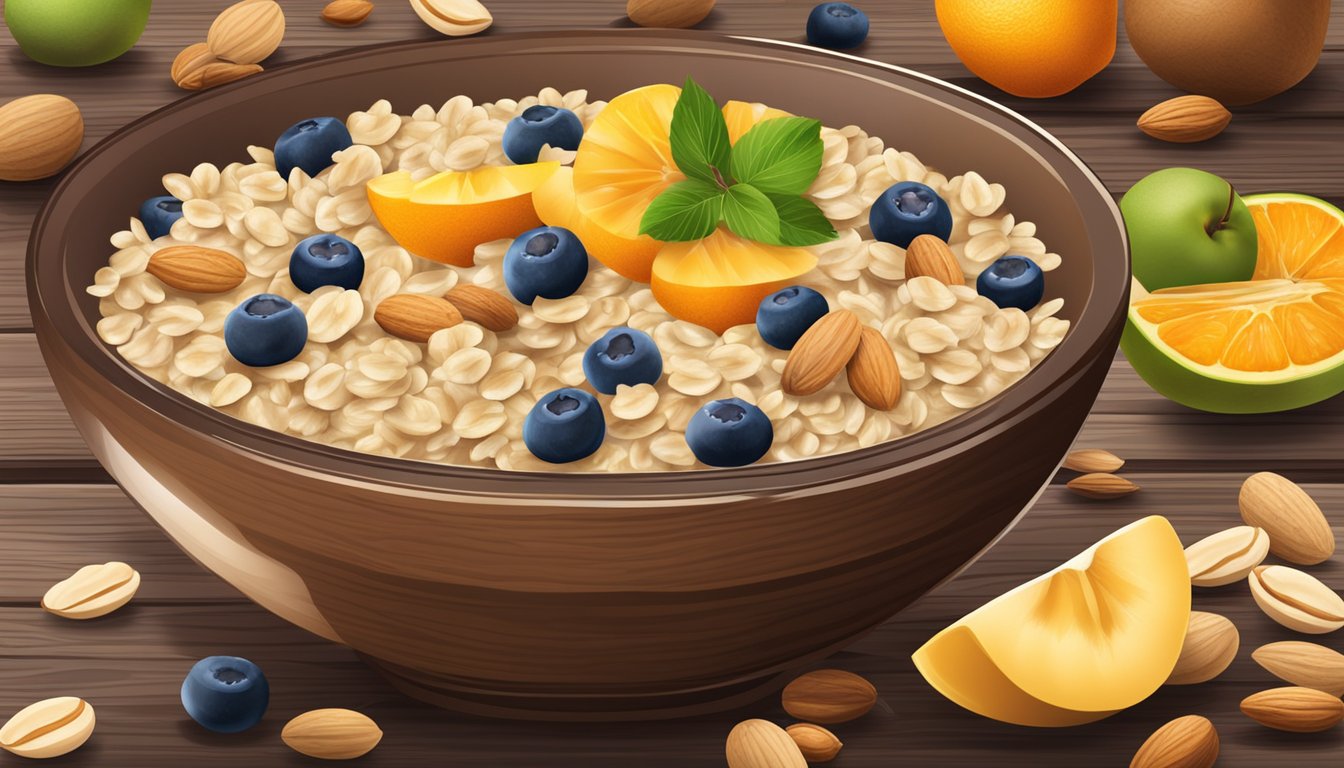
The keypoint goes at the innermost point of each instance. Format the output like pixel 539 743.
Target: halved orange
pixel 555 203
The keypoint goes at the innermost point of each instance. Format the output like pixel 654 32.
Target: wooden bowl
pixel 555 596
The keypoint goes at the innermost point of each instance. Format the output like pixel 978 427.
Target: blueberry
pixel 565 425
pixel 226 694
pixel 906 211
pixel 1012 281
pixel 309 144
pixel 786 315
pixel 622 356
pixel 837 25
pixel 326 260
pixel 729 433
pixel 539 125
pixel 159 213
pixel 549 262
pixel 265 330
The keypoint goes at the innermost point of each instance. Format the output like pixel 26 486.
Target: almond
pixel 1185 119
pixel 49 728
pixel 677 14
pixel 1296 709
pixel 1227 556
pixel 929 256
pixel 216 73
pixel 1093 460
pixel 821 353
pixel 1298 531
pixel 332 734
pixel 873 373
pixel 1186 742
pixel 1297 600
pixel 196 269
pixel 1306 664
pixel 817 744
pixel 247 32
pixel 762 744
pixel 93 591
pixel 414 316
pixel 829 696
pixel 191 59
pixel 347 13
pixel 489 309
pixel 1211 643
pixel 41 135
pixel 453 17
pixel 1101 485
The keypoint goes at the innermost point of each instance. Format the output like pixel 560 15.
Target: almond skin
pixel 677 14
pixel 332 734
pixel 1185 119
pixel 1093 460
pixel 829 696
pixel 1101 485
pixel 195 269
pixel 1186 742
pixel 41 135
pixel 1295 709
pixel 1306 664
pixel 821 353
pixel 488 309
pixel 1298 531
pixel 415 317
pixel 761 744
pixel 929 256
pixel 1296 599
pixel 216 73
pixel 1211 643
pixel 874 376
pixel 347 13
pixel 191 59
pixel 247 32
pixel 817 744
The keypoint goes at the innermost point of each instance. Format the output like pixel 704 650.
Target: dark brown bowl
pixel 546 595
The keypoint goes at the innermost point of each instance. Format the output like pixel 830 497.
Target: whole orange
pixel 1031 48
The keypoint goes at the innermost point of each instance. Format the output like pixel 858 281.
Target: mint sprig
pixel 754 187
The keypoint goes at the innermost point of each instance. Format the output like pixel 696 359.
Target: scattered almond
pixel 1101 485
pixel 216 73
pixel 93 591
pixel 191 59
pixel 1296 709
pixel 197 269
pixel 453 17
pixel 489 309
pixel 762 744
pixel 414 316
pixel 247 32
pixel 41 135
pixel 347 13
pixel 1306 664
pixel 817 744
pixel 1093 460
pixel 1185 119
pixel 829 696
pixel 1227 556
pixel 929 256
pixel 49 728
pixel 1297 600
pixel 821 353
pixel 874 376
pixel 1211 643
pixel 332 734
pixel 1186 742
pixel 1298 531
pixel 677 14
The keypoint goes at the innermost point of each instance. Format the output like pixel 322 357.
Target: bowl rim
pixel 56 310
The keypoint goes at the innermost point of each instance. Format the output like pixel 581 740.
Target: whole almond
pixel 821 353
pixel 93 591
pixel 1298 531
pixel 332 734
pixel 1186 742
pixel 1093 460
pixel 1227 556
pixel 247 32
pixel 347 13
pixel 817 744
pixel 216 73
pixel 1101 485
pixel 1297 600
pixel 49 728
pixel 762 744
pixel 489 309
pixel 677 14
pixel 453 17
pixel 874 376
pixel 1185 119
pixel 1296 709
pixel 41 135
pixel 1306 664
pixel 197 269
pixel 829 696
pixel 414 316
pixel 1211 643
pixel 929 256
pixel 191 59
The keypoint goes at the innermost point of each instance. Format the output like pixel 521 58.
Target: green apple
pixel 76 33
pixel 1188 227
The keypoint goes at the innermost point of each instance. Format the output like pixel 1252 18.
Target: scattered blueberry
pixel 906 211
pixel 622 356
pixel 525 134
pixel 786 315
pixel 226 694
pixel 549 262
pixel 1012 281
pixel 565 425
pixel 159 213
pixel 326 260
pixel 265 330
pixel 309 144
pixel 729 433
pixel 837 25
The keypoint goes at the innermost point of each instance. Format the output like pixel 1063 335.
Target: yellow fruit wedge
pixel 742 115
pixel 1096 635
pixel 555 203
pixel 444 217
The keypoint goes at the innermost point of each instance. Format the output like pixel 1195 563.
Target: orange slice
pixel 555 203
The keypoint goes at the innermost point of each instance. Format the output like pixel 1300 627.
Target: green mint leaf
pixel 781 155
pixel 687 210
pixel 699 135
pixel 750 214
pixel 801 222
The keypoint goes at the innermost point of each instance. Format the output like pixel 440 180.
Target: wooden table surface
pixel 59 510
